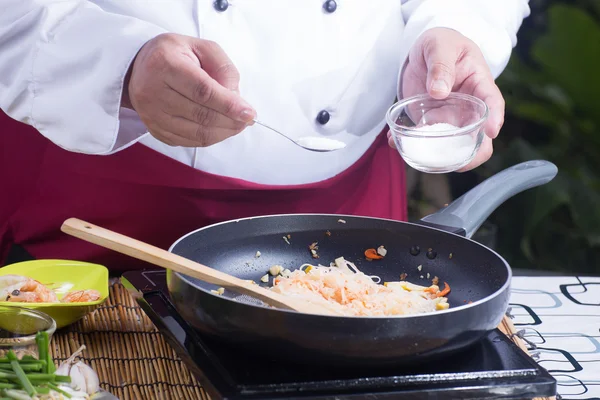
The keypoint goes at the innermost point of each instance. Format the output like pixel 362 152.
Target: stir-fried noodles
pixel 345 290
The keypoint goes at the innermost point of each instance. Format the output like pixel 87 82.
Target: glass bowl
pixel 438 136
pixel 18 328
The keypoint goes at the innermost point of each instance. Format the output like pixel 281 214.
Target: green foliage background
pixel 552 92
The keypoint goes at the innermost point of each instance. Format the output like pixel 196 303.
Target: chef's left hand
pixel 442 60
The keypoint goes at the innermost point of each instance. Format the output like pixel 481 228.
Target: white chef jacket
pixel 63 62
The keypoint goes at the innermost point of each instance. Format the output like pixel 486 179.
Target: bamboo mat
pixel 132 359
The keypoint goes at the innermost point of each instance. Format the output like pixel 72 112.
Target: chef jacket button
pixel 323 117
pixel 330 6
pixel 221 5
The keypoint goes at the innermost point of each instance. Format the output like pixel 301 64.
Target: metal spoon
pixel 311 143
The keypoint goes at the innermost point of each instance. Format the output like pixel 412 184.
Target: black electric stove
pixel 494 368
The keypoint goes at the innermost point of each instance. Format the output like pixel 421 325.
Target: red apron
pixel 151 197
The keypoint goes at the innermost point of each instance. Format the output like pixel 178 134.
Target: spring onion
pixel 59 390
pixel 28 377
pixel 23 379
pixel 16 395
pixel 37 367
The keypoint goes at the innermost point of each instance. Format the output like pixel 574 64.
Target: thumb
pixel 217 64
pixel 441 71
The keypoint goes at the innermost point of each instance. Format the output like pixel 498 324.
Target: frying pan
pixel 438 245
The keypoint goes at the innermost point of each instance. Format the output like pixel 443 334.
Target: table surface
pixel 557 317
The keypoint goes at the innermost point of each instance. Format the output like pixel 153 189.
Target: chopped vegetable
pixel 275 270
pixel 42 348
pixel 257 254
pixel 381 251
pixel 221 290
pixel 313 249
pixel 8 385
pixel 286 272
pixel 341 221
pixel 371 254
pixel 265 278
pixel 420 267
pixel 26 367
pixel 59 390
pixel 403 276
pixel 23 379
pixel 445 291
pixel 16 395
pixel 450 256
pixel 286 239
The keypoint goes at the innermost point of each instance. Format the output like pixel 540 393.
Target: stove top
pixel 494 368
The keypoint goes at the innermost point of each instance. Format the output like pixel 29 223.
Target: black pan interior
pixel 472 270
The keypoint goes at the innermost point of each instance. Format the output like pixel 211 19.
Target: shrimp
pixel 16 288
pixel 81 296
pixel 8 283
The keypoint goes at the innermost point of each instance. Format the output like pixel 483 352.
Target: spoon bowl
pixel 312 143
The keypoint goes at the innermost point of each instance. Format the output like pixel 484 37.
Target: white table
pixel 560 319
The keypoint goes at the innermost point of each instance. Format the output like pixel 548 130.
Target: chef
pixel 137 115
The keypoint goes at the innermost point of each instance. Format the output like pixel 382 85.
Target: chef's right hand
pixel 185 91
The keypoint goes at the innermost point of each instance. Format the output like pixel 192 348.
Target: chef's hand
pixel 185 91
pixel 442 60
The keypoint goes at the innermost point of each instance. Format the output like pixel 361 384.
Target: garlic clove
pixel 63 370
pixel 91 378
pixel 77 378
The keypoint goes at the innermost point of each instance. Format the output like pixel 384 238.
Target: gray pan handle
pixel 466 214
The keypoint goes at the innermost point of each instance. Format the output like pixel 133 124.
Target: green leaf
pixel 585 209
pixel 537 112
pixel 569 52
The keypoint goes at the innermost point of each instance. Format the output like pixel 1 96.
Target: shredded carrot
pixel 372 254
pixel 445 291
pixel 429 290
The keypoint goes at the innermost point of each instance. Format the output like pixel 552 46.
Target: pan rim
pixel 462 307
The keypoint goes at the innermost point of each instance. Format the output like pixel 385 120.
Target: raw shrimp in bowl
pixel 17 288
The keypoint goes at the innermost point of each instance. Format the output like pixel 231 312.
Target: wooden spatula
pixel 162 258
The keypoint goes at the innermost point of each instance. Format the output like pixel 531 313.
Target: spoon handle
pixel 276 131
pixel 162 258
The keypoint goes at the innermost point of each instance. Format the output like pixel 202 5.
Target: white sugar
pixel 320 143
pixel 443 152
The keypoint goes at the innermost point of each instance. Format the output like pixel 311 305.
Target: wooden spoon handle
pixel 162 258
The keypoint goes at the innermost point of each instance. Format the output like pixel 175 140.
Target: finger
pixel 491 95
pixel 483 154
pixel 441 68
pixel 171 139
pixel 191 81
pixel 180 106
pixel 390 139
pixel 192 132
pixel 217 64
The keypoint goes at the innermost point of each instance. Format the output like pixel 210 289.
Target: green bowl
pixel 62 276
